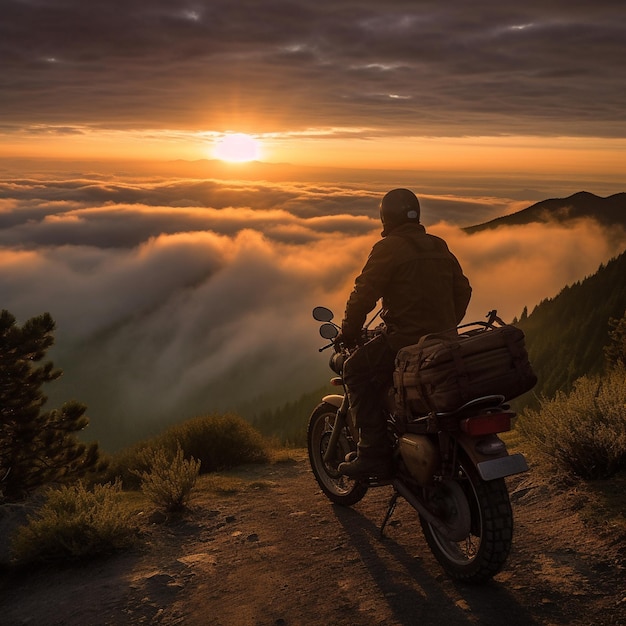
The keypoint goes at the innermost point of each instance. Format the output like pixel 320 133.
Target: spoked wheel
pixel 481 554
pixel 337 487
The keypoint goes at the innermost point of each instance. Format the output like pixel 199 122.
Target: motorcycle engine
pixel 420 455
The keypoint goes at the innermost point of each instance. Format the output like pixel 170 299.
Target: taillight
pixel 486 424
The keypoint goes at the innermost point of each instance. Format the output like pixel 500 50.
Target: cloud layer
pixel 393 68
pixel 174 297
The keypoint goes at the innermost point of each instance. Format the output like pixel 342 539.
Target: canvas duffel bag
pixel 443 372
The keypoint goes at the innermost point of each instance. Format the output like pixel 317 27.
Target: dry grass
pixel 584 432
pixel 218 441
pixel 169 481
pixel 77 523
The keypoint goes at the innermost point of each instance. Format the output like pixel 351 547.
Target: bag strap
pixel 492 317
pixel 461 370
pixel 444 336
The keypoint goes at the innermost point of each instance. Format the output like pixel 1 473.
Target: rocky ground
pixel 277 553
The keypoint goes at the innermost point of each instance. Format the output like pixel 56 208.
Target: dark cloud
pixel 394 68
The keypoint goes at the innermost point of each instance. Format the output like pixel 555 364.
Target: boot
pixel 369 463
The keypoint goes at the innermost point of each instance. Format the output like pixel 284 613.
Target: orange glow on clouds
pixel 220 263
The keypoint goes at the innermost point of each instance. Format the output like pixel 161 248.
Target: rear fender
pixel 490 456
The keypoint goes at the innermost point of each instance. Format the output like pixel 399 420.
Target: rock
pixel 157 517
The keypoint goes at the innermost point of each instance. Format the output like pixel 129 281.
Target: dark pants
pixel 368 373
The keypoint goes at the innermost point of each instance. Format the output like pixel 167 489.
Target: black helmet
pixel 399 206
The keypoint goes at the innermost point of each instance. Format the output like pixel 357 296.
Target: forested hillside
pixel 565 335
pixel 288 423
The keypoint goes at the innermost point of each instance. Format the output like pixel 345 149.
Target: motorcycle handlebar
pixel 330 330
pixel 366 335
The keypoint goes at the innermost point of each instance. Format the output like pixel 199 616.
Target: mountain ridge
pixel 608 211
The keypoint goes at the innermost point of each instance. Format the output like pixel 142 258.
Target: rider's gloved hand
pixel 348 337
pixel 345 342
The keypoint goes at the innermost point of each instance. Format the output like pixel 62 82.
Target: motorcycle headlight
pixel 336 362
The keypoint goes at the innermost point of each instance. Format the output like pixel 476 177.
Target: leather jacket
pixel 421 283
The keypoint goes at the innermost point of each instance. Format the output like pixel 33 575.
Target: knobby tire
pixel 482 555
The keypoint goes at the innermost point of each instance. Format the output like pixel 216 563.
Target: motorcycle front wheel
pixel 338 488
pixel 482 554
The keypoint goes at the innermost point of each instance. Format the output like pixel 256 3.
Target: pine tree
pixel 36 447
pixel 615 351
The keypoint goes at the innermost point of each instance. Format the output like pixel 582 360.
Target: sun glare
pixel 237 148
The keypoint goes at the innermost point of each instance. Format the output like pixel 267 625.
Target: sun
pixel 237 148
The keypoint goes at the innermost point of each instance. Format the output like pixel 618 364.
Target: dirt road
pixel 279 554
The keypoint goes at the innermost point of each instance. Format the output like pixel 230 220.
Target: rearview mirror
pixel 329 331
pixel 322 314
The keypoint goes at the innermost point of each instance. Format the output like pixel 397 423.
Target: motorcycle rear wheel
pixel 482 554
pixel 338 488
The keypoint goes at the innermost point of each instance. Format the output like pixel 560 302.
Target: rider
pixel 423 290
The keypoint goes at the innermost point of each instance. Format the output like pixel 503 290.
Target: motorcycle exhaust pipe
pixel 453 532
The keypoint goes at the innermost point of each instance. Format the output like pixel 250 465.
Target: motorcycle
pixel 450 467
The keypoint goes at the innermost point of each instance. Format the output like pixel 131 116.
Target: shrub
pixel 218 441
pixel 169 481
pixel 76 523
pixel 584 431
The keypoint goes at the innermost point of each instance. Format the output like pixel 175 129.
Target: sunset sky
pixel 483 86
pixel 182 281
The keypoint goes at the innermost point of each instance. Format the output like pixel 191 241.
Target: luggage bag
pixel 443 372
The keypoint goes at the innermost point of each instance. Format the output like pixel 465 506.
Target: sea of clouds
pixel 175 297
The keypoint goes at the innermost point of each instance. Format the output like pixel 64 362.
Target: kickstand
pixel 390 509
